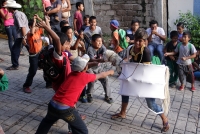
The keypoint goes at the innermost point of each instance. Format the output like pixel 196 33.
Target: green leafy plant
pixel 192 24
pixel 31 7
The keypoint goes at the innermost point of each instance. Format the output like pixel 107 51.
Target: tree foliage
pixel 192 24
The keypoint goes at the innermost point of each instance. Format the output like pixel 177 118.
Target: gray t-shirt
pixel 93 54
pixel 89 33
pixel 59 14
pixel 185 51
pixel 20 20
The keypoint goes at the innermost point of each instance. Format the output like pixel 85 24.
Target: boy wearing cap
pixel 62 104
pixel 115 41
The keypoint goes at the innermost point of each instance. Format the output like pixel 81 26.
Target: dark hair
pixel 141 34
pixel 92 18
pixel 135 21
pixel 30 22
pixel 63 22
pixel 63 37
pixel 96 36
pixel 152 22
pixel 86 16
pixel 180 24
pixel 65 29
pixel 78 4
pixel 3 2
pixel 173 34
pixel 187 33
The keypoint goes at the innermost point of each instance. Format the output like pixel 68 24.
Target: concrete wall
pixel 175 7
pixel 124 11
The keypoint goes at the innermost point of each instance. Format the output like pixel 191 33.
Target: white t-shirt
pixel 89 33
pixel 156 39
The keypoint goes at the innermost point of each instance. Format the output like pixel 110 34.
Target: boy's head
pixel 64 23
pixel 93 21
pixel 68 31
pixel 174 36
pixel 180 27
pixel 97 41
pixel 79 6
pixel 80 64
pixel 64 40
pixel 135 24
pixel 186 36
pixel 140 38
pixel 86 19
pixel 114 24
pixel 153 24
pixel 30 24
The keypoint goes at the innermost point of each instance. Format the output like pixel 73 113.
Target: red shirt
pixel 71 89
pixel 79 21
pixel 58 60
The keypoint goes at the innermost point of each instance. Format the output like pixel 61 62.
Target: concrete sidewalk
pixel 21 113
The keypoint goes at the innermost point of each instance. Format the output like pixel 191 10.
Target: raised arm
pixel 54 36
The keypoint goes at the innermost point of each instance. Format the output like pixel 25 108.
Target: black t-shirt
pixel 170 48
pixel 145 57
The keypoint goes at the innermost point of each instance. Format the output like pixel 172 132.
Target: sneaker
pixel 12 68
pixel 27 90
pixel 83 99
pixel 193 89
pixel 108 100
pixel 181 88
pixel 89 98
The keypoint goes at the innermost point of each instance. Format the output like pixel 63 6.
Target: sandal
pixel 118 116
pixel 108 100
pixel 12 68
pixel 165 127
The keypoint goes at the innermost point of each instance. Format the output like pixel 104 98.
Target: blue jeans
pixel 158 48
pixel 12 34
pixel 15 52
pixel 150 103
pixel 33 60
pixel 197 74
pixel 70 115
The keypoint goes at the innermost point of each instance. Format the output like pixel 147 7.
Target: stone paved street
pixel 21 113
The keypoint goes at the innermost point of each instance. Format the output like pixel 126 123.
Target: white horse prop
pixel 115 59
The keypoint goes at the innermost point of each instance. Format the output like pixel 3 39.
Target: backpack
pixel 122 42
pixel 51 71
pixel 190 48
